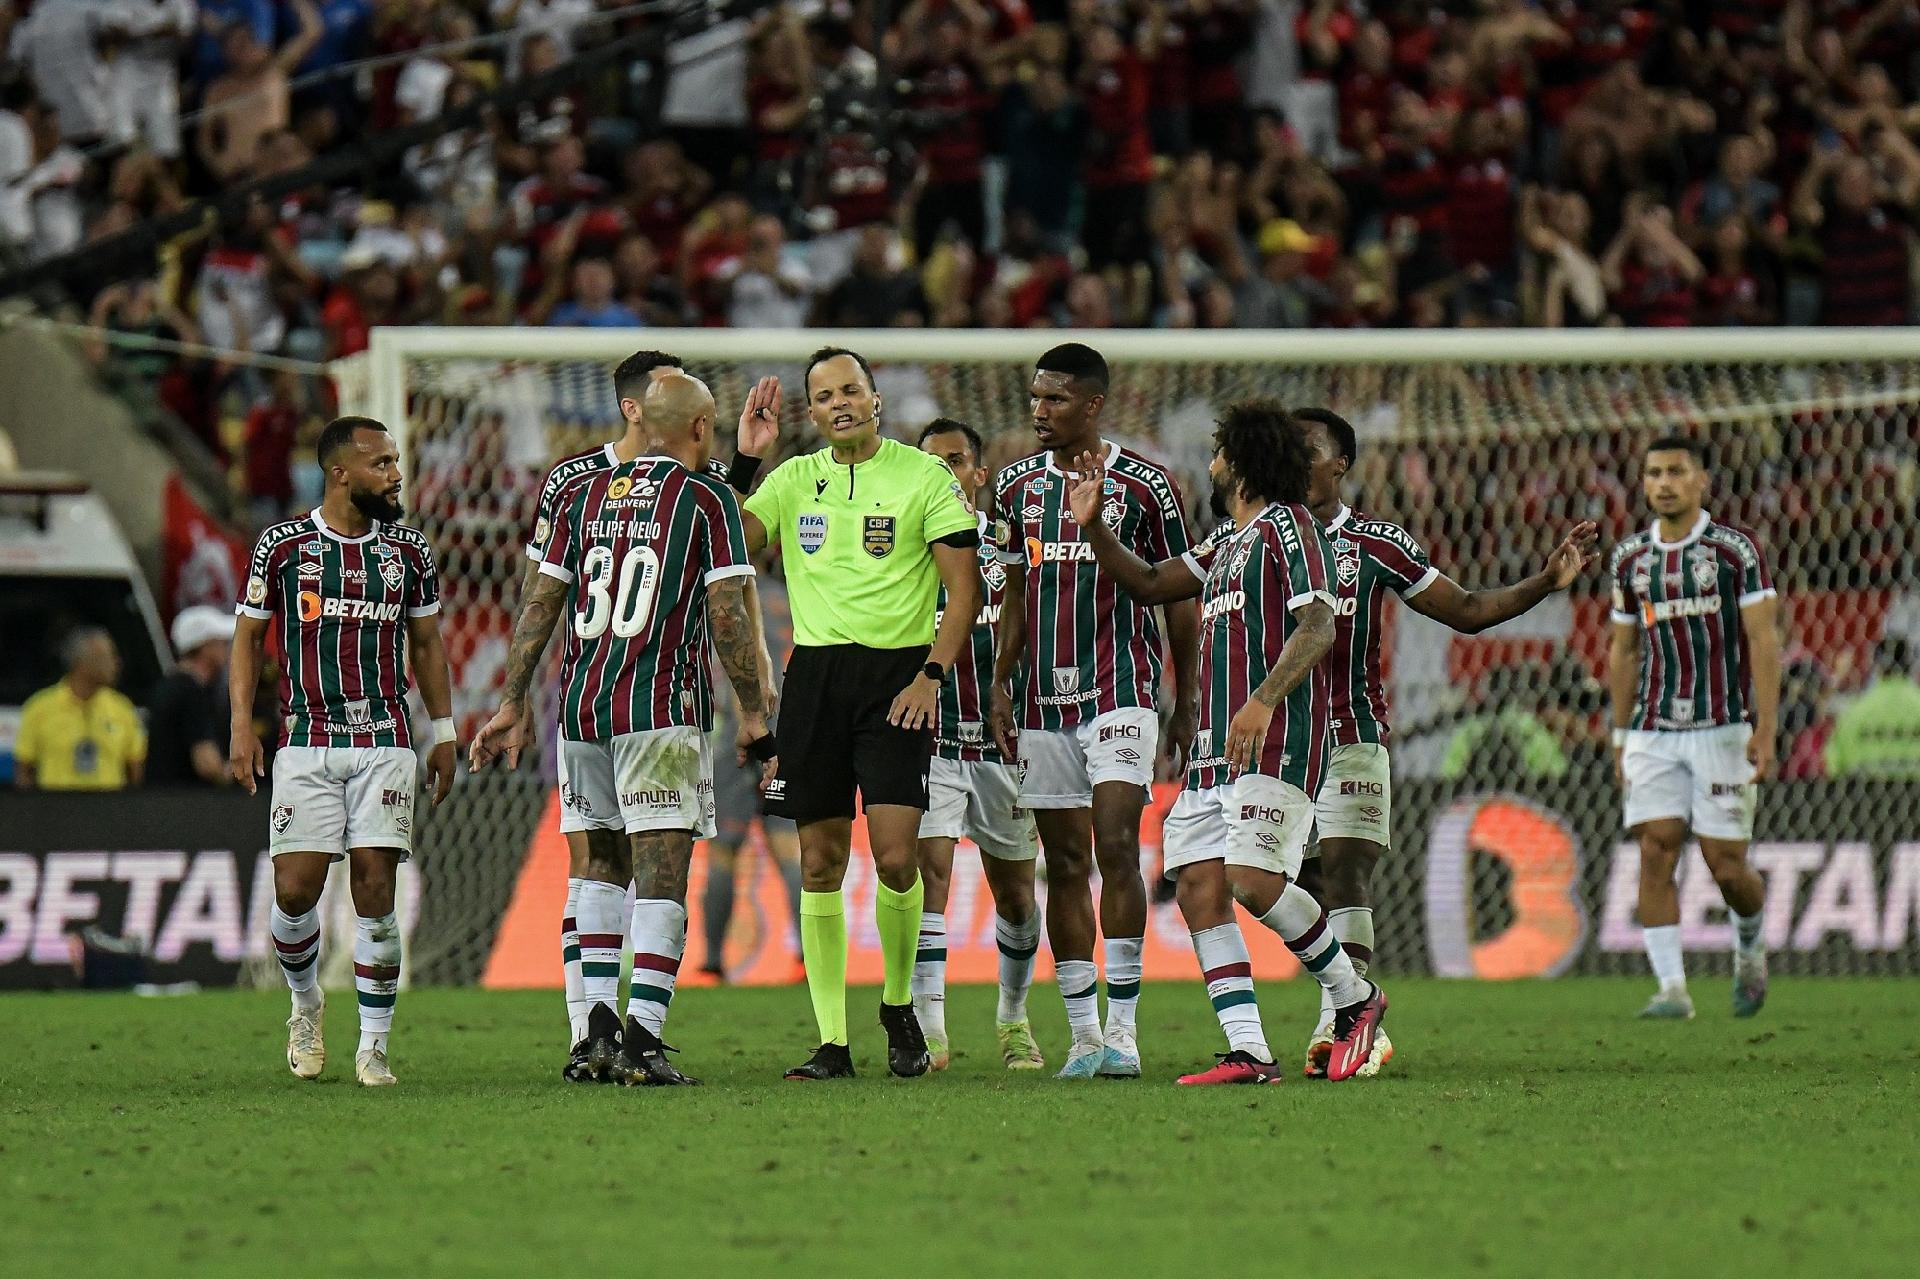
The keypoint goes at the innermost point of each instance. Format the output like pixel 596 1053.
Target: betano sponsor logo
pixel 1039 552
pixel 1229 602
pixel 315 607
pixel 1667 610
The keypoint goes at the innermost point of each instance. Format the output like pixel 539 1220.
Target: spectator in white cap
pixel 187 714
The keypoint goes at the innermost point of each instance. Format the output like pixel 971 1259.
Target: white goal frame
pixel 382 376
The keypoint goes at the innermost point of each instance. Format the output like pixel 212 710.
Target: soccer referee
pixel 868 530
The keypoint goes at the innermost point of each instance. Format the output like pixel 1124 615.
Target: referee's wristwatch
pixel 935 672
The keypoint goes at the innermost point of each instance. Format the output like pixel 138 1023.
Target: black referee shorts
pixel 834 735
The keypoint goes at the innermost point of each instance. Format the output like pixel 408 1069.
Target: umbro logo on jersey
pixel 315 607
pixel 1034 512
pixel 309 571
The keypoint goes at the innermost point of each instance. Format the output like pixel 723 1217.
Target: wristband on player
pixel 741 472
pixel 763 748
pixel 1619 738
pixel 444 732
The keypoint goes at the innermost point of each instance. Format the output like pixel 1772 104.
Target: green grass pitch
pixel 1526 1129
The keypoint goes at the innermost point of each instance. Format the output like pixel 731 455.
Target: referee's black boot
pixel 829 1061
pixel 906 1046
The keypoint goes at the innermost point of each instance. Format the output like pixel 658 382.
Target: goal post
pixel 1508 856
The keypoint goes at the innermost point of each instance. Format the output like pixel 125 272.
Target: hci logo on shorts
pixel 876 535
pixel 813 531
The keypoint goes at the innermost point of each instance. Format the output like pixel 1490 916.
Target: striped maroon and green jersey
pixel 1371 559
pixel 1686 597
pixel 639 544
pixel 342 605
pixel 1091 648
pixel 564 474
pixel 1256 577
pixel 960 725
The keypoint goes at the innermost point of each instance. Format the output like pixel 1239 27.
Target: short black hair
pixel 946 425
pixel 826 353
pixel 1681 444
pixel 630 378
pixel 1338 427
pixel 1265 449
pixel 1078 361
pixel 338 434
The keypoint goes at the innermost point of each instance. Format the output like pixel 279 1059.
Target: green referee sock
pixel 823 945
pixel 898 917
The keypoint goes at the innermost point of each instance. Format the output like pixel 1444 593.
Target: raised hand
pixel 760 419
pixel 1573 555
pixel 1085 488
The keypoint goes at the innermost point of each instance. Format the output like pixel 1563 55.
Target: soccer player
pixel 348 586
pixel 1239 829
pixel 869 529
pixel 631 378
pixel 1353 812
pixel 1694 670
pixel 973 791
pixel 1088 657
pixel 643 559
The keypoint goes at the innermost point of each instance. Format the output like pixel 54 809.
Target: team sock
pixel 1081 991
pixel 897 915
pixel 1663 952
pixel 716 903
pixel 1302 925
pixel 1123 984
pixel 659 940
pixel 1228 971
pixel 376 977
pixel 1353 929
pixel 570 966
pixel 296 940
pixel 599 908
pixel 930 977
pixel 823 945
pixel 1018 943
pixel 1746 935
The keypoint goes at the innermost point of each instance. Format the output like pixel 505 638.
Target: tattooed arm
pixel 1300 654
pixel 506 733
pixel 733 607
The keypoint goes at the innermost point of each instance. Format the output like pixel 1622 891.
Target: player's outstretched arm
pixel 1009 650
pixel 1760 622
pixel 1311 639
pixel 506 733
pixel 245 759
pixel 1623 675
pixel 427 654
pixel 1471 612
pixel 1161 583
pixel 733 612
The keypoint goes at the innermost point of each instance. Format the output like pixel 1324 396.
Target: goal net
pixel 1508 855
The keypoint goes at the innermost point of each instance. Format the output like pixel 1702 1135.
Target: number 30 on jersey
pixel 629 606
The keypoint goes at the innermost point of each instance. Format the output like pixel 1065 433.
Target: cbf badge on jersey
pixel 876 536
pixel 812 531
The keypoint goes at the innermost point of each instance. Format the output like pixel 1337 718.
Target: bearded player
pixel 1694 671
pixel 1088 659
pixel 973 791
pixel 339 580
pixel 1353 812
pixel 585 844
pixel 1239 830
pixel 643 559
